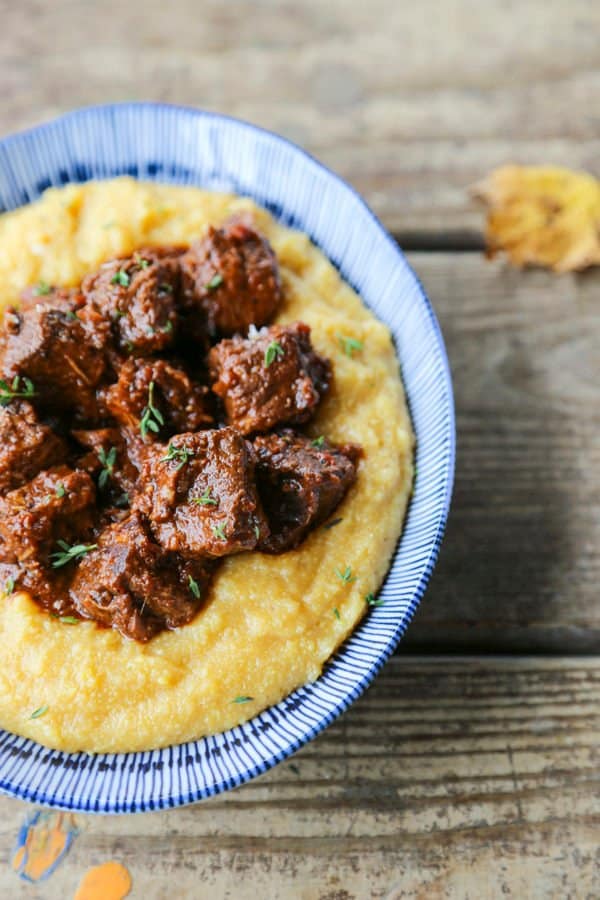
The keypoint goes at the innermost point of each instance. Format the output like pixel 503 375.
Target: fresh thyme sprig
pixel 183 454
pixel 346 576
pixel 219 531
pixel 152 418
pixel 19 387
pixel 205 499
pixel 121 277
pixel 194 587
pixel 68 553
pixel 108 461
pixel 349 345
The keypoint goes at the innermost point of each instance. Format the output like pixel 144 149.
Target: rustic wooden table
pixel 470 768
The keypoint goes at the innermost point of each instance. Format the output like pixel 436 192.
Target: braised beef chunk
pixel 47 343
pixel 112 461
pixel 138 296
pixel 300 484
pixel 274 377
pixel 56 506
pixel 231 279
pixel 131 584
pixel 202 497
pixel 156 399
pixel 26 446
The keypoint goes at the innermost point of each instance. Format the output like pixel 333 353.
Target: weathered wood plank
pixel 519 567
pixel 410 102
pixel 450 778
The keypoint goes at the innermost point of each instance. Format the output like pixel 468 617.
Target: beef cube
pixel 46 342
pixel 202 497
pixel 26 446
pixel 129 583
pixel 300 484
pixel 48 587
pixel 114 462
pixel 273 377
pixel 155 399
pixel 56 506
pixel 138 296
pixel 231 279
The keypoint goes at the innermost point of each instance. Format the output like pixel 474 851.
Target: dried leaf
pixel 543 216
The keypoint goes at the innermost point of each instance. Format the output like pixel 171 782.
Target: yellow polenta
pixel 270 622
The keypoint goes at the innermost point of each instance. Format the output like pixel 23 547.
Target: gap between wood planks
pixel 457 240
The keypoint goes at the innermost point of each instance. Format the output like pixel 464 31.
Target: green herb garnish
pixel 123 501
pixel 42 289
pixel 60 491
pixel 39 712
pixel 318 442
pixel 68 553
pixel 71 315
pixel 257 532
pixel 168 328
pixel 19 387
pixel 108 461
pixel 349 344
pixel 9 586
pixel 242 699
pixel 371 600
pixel 141 262
pixel 346 576
pixel 183 454
pixel 205 499
pixel 165 288
pixel 219 531
pixel 69 620
pixel 194 587
pixel 152 418
pixel 336 613
pixel 214 282
pixel 121 277
pixel 274 351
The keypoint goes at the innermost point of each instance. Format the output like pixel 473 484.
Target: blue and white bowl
pixel 186 146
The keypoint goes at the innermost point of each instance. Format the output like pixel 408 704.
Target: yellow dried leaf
pixel 543 216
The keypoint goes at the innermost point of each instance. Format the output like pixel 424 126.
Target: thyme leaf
pixel 349 345
pixel 214 282
pixel 274 351
pixel 40 711
pixel 121 277
pixel 194 587
pixel 205 499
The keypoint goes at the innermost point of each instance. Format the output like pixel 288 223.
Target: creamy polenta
pixel 270 622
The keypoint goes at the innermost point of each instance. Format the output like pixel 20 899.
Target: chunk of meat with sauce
pixel 129 583
pixel 231 279
pixel 46 342
pixel 56 505
pixel 26 445
pixel 201 497
pixel 113 461
pixel 156 399
pixel 137 295
pixel 300 484
pixel 274 377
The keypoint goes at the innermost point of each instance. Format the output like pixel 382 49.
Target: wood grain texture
pixel 448 779
pixel 412 103
pixel 519 567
